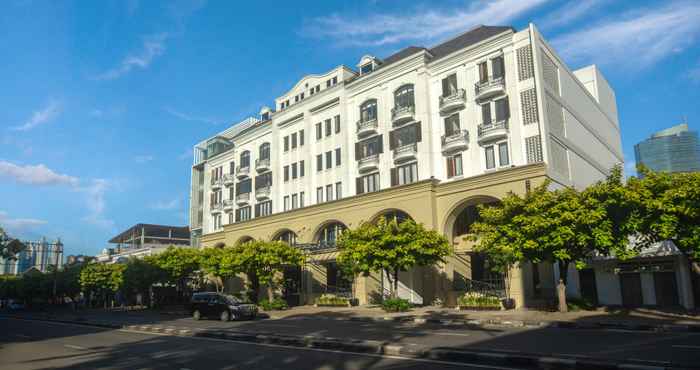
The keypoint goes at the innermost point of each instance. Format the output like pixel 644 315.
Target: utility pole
pixel 57 249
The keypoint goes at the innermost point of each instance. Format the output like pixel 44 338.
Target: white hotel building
pixel 426 133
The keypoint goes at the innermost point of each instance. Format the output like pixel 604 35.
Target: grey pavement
pixel 34 345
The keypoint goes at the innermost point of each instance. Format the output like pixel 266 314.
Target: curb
pixel 534 361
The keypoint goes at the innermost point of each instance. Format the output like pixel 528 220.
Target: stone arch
pixel 391 212
pixel 244 239
pixel 286 235
pixel 219 245
pixel 318 235
pixel 458 210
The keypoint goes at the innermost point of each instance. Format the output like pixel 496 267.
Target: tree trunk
pixel 561 287
pixel 254 286
pixel 694 265
pixel 270 293
pixel 396 282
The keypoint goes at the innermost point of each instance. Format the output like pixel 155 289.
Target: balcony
pixel 262 164
pixel 400 115
pixel 405 152
pixel 229 179
pixel 242 199
pixel 242 172
pixel 493 131
pixel 368 127
pixel 455 142
pixel 368 163
pixel 228 204
pixel 492 87
pixel 217 207
pixel 262 193
pixel 456 100
pixel 217 183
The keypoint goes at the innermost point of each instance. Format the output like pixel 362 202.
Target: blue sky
pixel 102 101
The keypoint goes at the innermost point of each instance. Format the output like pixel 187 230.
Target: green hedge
pixel 396 305
pixel 276 304
pixel 331 300
pixel 479 301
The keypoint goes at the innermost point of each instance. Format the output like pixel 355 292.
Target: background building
pixel 675 149
pixel 39 255
pixel 144 240
pixel 425 133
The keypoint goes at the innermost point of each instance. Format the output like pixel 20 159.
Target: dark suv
pixel 225 307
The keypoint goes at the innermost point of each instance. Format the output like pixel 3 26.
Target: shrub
pixel 275 304
pixel 332 300
pixel 580 304
pixel 396 305
pixel 479 301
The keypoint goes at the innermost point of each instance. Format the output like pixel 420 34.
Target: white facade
pixel 566 119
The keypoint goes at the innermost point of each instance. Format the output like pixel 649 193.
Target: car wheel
pixel 196 315
pixel 225 316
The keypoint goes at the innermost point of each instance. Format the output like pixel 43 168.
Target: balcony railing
pixel 402 114
pixel 493 131
pixel 453 101
pixel 262 192
pixel 405 152
pixel 457 141
pixel 217 207
pixel 367 127
pixel 368 163
pixel 242 172
pixel 228 204
pixel 322 246
pixel 229 179
pixel 243 198
pixel 262 164
pixel 493 86
pixel 217 182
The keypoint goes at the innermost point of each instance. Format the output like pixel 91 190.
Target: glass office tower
pixel 675 149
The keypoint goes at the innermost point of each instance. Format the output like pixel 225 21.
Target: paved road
pixel 677 348
pixel 33 345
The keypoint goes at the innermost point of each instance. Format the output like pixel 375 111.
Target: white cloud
pixel 16 225
pixel 42 116
pixel 166 205
pixel 634 39
pixel 95 202
pixel 569 12
pixel 143 158
pixel 153 46
pixel 416 24
pixel 191 118
pixel 35 175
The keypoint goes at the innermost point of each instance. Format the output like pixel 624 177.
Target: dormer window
pixel 367 68
pixel 368 64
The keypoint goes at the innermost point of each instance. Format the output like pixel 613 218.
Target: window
pixel 264 152
pixel 490 160
pixel 319 134
pixel 368 183
pixel 245 159
pixel 231 167
pixel 483 72
pixel 329 159
pixel 286 173
pixel 319 194
pixel 403 97
pixel 329 234
pixel 452 125
pixel 368 147
pixel 286 202
pixel 244 187
pixel 334 80
pixel 230 218
pixel 337 124
pixel 294 170
pixel 243 214
pixel 338 190
pixel 301 137
pixel 407 174
pixel 263 181
pixel 328 127
pixel 406 135
pixel 498 67
pixel 301 168
pixel 337 157
pixel 319 163
pixel 502 111
pixel 449 85
pixel 486 114
pixel 368 110
pixel 367 68
pixel 503 159
pixel 301 199
pixel 454 166
pixel 329 193
pixel 231 193
pixel 217 221
pixel 294 140
pixel 295 201
pixel 263 209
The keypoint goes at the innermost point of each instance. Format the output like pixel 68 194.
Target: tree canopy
pixel 391 246
pixel 9 247
pixel 178 263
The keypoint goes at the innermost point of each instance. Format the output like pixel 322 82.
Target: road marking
pixel 685 346
pixel 71 346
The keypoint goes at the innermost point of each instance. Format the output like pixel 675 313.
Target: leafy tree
pixel 564 226
pixel 140 275
pixel 212 263
pixel 391 247
pixel 179 264
pixel 9 247
pixel 102 280
pixel 261 261
pixel 668 208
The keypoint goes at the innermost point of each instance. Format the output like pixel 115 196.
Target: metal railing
pixel 491 287
pixel 262 162
pixel 457 95
pixel 401 111
pixel 493 126
pixel 490 83
pixel 366 124
pixel 461 136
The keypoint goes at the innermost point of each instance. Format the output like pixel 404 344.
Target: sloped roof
pixel 162 231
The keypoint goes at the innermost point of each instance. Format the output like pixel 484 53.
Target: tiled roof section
pixel 403 53
pixel 182 232
pixel 467 39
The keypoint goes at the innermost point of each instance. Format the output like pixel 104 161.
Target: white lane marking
pixel 685 346
pixel 460 364
pixel 71 346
